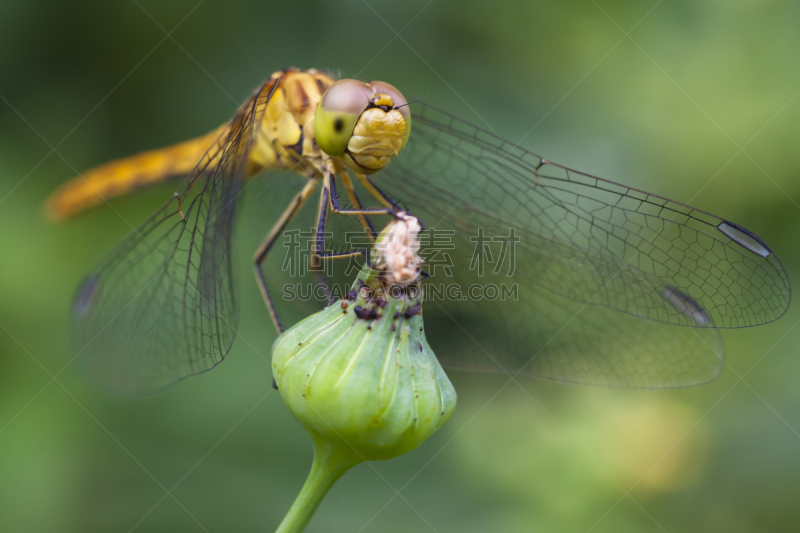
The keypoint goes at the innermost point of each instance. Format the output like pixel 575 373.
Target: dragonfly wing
pixel 593 240
pixel 592 260
pixel 505 321
pixel 161 307
pixel 542 334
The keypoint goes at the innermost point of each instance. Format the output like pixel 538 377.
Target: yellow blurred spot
pixel 653 444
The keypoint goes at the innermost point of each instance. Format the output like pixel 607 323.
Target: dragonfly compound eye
pixel 365 124
pixel 337 114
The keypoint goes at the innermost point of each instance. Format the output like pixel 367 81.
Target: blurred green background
pixel 698 103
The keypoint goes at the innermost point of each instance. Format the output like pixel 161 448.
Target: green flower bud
pixel 361 372
pixel 360 375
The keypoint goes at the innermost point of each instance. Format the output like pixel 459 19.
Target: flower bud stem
pixel 331 460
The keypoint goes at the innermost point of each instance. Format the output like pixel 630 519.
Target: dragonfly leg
pixel 366 223
pixel 326 203
pixel 329 185
pixel 351 194
pixel 261 254
pixel 329 201
pixel 381 196
pixel 384 198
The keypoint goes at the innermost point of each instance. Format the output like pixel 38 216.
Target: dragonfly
pixel 606 284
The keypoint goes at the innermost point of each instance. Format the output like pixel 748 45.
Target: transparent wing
pixel 161 307
pixel 590 260
pixel 541 334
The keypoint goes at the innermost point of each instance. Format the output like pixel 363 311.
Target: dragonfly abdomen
pixel 123 175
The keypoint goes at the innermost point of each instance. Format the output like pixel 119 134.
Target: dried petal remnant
pixel 398 251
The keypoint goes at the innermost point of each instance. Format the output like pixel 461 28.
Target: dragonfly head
pixel 366 124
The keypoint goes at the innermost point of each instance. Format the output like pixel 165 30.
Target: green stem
pixel 331 460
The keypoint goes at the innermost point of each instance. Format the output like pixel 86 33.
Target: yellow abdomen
pixel 121 176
